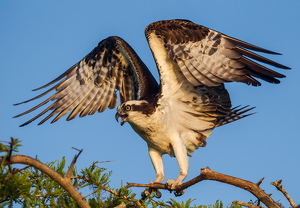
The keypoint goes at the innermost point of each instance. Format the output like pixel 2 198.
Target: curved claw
pixel 179 193
pixel 145 193
pixel 157 193
pixel 148 191
pixel 172 185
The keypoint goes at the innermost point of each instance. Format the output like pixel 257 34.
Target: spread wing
pixel 208 57
pixel 91 84
pixel 194 62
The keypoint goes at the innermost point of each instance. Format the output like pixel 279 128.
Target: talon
pixel 145 193
pixel 172 185
pixel 148 191
pixel 179 193
pixel 157 193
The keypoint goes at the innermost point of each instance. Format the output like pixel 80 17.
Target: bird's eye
pixel 127 108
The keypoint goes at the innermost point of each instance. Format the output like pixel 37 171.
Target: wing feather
pixel 74 102
pixel 119 82
pixel 92 102
pixel 82 105
pixel 128 89
pixel 188 75
pixel 114 101
pixel 90 85
pixel 194 62
pixel 208 57
pixel 109 96
pixel 101 98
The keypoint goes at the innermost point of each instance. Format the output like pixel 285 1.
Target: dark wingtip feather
pixel 259 58
pixel 286 67
pixel 250 46
pixel 26 123
pixel 236 113
pixel 58 78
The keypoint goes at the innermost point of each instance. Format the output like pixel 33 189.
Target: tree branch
pixel 65 182
pixel 115 193
pixel 279 187
pixel 246 204
pixel 62 181
pixel 12 173
pixel 69 172
pixel 208 174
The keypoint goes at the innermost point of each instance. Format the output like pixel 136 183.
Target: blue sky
pixel 41 39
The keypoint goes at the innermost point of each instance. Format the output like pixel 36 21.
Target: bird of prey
pixel 176 116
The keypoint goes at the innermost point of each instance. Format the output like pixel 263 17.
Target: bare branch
pixel 246 185
pixel 10 152
pixel 207 174
pixel 154 185
pixel 104 161
pixel 260 181
pixel 246 204
pixel 10 148
pixel 76 149
pixel 279 187
pixel 69 172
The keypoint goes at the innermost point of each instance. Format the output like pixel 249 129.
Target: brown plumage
pixel 91 84
pixel 208 57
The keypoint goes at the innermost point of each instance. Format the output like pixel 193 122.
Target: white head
pixel 133 111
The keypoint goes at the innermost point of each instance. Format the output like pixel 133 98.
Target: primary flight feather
pixel 176 116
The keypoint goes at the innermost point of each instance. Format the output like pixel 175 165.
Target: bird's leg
pixel 156 159
pixel 183 163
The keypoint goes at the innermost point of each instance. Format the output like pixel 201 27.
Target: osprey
pixel 176 116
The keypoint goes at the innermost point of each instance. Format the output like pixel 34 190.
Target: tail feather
pixel 235 113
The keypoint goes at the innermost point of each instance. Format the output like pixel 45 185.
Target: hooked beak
pixel 124 117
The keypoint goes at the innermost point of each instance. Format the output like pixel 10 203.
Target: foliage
pixel 30 187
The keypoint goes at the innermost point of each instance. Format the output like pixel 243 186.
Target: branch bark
pixel 279 187
pixel 208 174
pixel 246 204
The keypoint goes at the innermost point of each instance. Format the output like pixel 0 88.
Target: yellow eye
pixel 127 108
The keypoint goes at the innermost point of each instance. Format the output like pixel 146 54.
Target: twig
pixel 166 205
pixel 279 187
pixel 104 161
pixel 154 185
pixel 260 181
pixel 115 193
pixel 10 148
pixel 10 152
pixel 69 172
pixel 12 173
